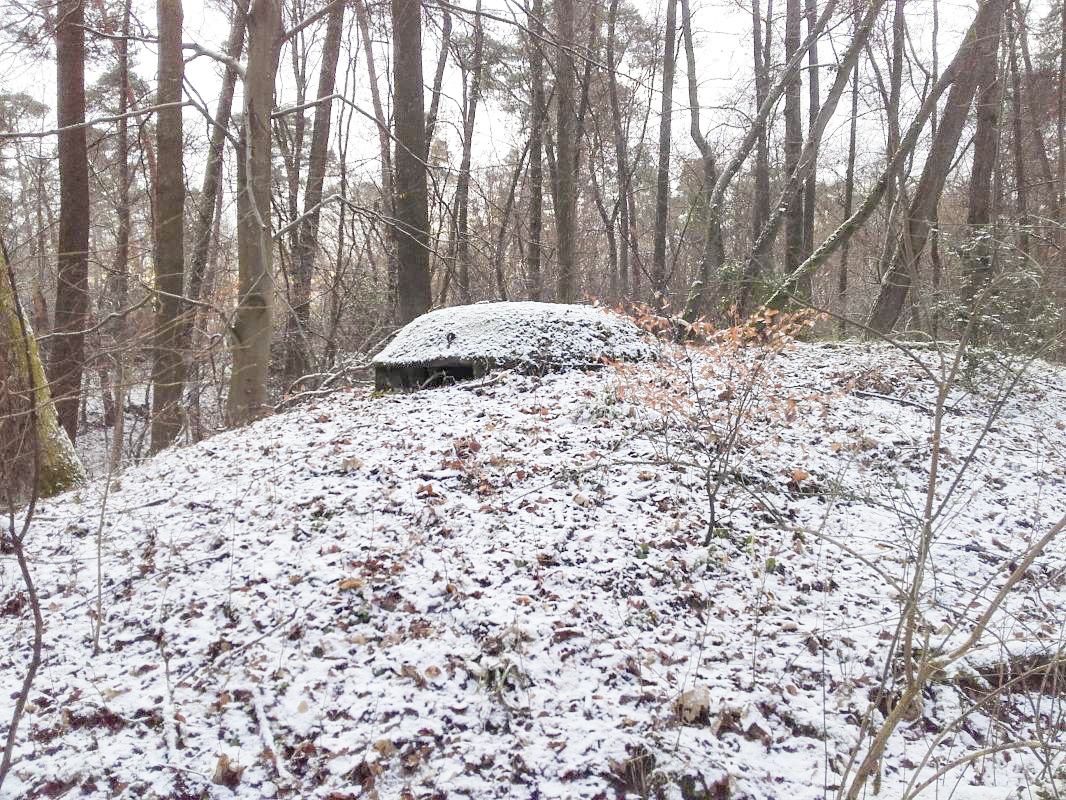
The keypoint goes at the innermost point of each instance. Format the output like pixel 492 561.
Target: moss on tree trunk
pixel 23 388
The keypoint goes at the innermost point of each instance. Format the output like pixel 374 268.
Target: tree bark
pixel 72 283
pixel 980 45
pixel 252 326
pixel 565 154
pixel 298 347
pixel 168 367
pixel 412 202
pixel 810 195
pixel 537 112
pixel 793 140
pixel 659 277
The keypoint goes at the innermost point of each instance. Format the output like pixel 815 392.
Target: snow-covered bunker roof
pixel 467 341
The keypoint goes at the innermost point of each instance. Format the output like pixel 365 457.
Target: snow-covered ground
pixel 514 588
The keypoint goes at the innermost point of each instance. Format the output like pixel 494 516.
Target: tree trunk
pixel 412 202
pixel 501 237
pixel 805 287
pixel 758 123
pixel 1060 130
pixel 849 199
pixel 462 192
pixel 760 211
pixel 438 75
pixel 892 101
pixel 980 45
pixel 388 198
pixel 72 282
pixel 120 267
pixel 28 420
pixel 662 186
pixel 255 299
pixel 205 212
pixel 608 228
pixel 846 229
pixel 1021 177
pixel 713 254
pixel 794 183
pixel 566 146
pixel 977 264
pixel 537 112
pixel 168 367
pixel 621 159
pixel 793 140
pixel 298 348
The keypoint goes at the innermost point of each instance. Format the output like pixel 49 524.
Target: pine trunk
pixel 168 368
pixel 72 283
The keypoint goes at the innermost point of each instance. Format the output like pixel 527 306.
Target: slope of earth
pixel 517 589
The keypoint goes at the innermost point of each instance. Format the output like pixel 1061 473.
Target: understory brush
pixel 970 668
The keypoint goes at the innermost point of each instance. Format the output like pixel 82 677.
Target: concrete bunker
pixel 466 342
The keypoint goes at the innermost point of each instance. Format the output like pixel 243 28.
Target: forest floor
pixel 516 588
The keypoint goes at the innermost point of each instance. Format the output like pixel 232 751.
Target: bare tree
pixel 810 190
pixel 298 349
pixel 252 327
pixel 793 139
pixel 849 196
pixel 384 141
pixel 980 46
pixel 625 222
pixel 760 210
pixel 713 250
pixel 978 260
pixel 662 184
pixel 537 112
pixel 566 154
pixel 412 201
pixel 168 366
pixel 471 96
pixel 72 284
